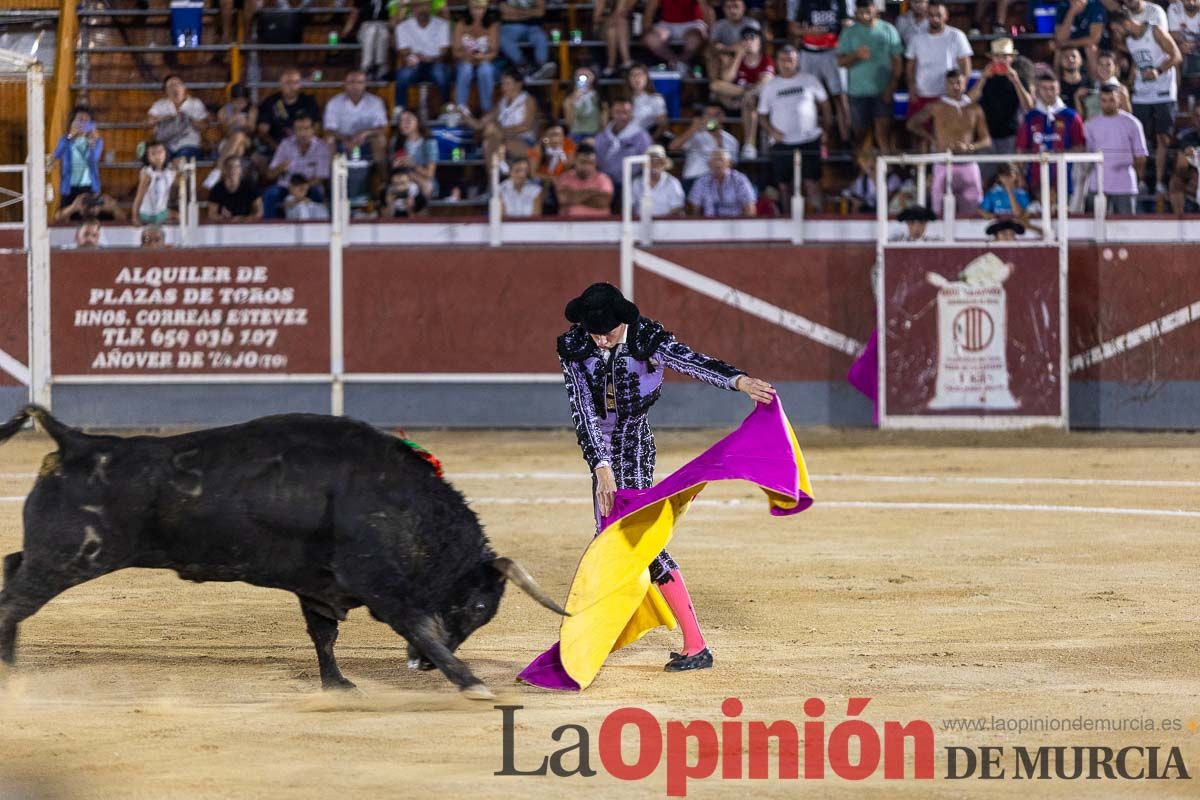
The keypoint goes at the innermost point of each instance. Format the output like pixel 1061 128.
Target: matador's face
pixel 607 341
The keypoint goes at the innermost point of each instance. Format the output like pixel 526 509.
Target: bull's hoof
pixel 477 691
pixel 338 685
pixel 423 664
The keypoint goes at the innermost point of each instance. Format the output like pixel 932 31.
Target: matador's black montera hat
pixel 601 308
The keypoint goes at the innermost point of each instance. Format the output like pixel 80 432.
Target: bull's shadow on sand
pixel 335 511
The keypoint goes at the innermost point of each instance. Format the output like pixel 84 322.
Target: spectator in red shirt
pixel 685 22
pixel 744 71
pixel 584 191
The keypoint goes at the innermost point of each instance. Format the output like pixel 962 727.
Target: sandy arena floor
pixel 140 685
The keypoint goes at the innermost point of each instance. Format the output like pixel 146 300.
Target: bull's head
pixel 476 597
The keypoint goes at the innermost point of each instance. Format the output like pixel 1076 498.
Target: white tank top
pixel 476 44
pixel 510 115
pixel 1147 53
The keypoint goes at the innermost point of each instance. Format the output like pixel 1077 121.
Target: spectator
pixel 357 119
pixel 476 44
pixel 422 43
pixel 78 154
pixel 619 140
pixel 248 9
pixel 931 55
pixel 1184 182
pixel 1071 77
pixel 153 238
pixel 981 7
pixel 1155 89
pixel 1002 95
pixel 817 26
pixel 959 127
pixel 511 123
pixel 298 205
pixel 666 192
pixel 302 153
pixel 1183 22
pixel 1005 230
pixel 581 108
pixel 744 72
pixel 723 192
pixel 278 111
pixel 872 53
pixel 1139 11
pixel 1005 196
pixel 685 22
pixel 87 235
pixel 373 20
pixel 612 25
pixel 234 198
pixel 727 33
pixel 790 103
pixel 862 192
pixel 417 153
pixel 178 119
pixel 1081 26
pixel 649 107
pixel 401 198
pixel 1119 136
pixel 155 183
pixel 1087 99
pixel 520 196
pixel 87 205
pixel 238 115
pixel 522 23
pixel 553 155
pixel 706 134
pixel 584 191
pixel 1049 127
pixel 913 21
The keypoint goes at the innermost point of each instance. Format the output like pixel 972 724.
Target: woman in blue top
pixel 78 152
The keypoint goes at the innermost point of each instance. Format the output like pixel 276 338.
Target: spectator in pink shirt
pixel 1119 136
pixel 584 191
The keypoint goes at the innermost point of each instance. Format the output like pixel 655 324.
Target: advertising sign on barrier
pixel 168 312
pixel 972 337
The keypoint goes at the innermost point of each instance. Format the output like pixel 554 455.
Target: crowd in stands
pixel 815 76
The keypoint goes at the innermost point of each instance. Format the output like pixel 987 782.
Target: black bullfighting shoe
pixel 682 663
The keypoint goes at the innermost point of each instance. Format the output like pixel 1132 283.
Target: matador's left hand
pixel 759 391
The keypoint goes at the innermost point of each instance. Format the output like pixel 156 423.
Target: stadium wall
pixel 464 336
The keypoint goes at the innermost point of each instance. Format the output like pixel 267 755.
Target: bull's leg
pixel 324 633
pixel 25 592
pixel 12 562
pixel 417 661
pixel 425 633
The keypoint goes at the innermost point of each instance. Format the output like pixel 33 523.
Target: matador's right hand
pixel 606 489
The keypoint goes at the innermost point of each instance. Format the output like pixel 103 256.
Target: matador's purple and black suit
pixel 611 393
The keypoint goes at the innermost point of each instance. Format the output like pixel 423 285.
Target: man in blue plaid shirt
pixel 723 192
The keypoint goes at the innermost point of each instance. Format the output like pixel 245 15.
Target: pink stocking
pixel 675 592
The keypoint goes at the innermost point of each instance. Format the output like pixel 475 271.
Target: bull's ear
pixel 521 577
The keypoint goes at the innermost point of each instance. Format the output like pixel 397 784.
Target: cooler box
pixel 449 138
pixel 668 85
pixel 187 17
pixel 900 105
pixel 1044 18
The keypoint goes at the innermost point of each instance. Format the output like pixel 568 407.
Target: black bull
pixel 333 510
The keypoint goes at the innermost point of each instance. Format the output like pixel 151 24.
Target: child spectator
pixel 301 153
pixel 476 44
pixel 520 196
pixel 298 205
pixel 1005 197
pixel 88 235
pixel 416 152
pixel 744 70
pixel 155 183
pixel 401 198
pixel 553 155
pixel 861 192
pixel 1105 72
pixel 234 198
pixel 153 238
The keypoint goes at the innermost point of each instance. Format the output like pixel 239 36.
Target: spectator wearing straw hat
pixel 1002 95
pixel 666 192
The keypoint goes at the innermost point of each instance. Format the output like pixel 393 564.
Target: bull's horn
pixel 518 575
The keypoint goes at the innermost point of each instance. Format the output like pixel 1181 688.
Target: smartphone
pixel 999 68
pixel 582 81
pixel 711 125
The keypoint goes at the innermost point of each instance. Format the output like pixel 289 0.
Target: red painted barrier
pixel 14 322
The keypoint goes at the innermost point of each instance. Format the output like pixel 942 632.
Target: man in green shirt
pixel 871 50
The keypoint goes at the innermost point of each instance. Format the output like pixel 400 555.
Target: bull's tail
pixel 61 433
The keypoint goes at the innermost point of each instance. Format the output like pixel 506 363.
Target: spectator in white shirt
pixel 698 142
pixel 666 192
pixel 520 196
pixel 422 44
pixel 913 21
pixel 931 55
pixel 794 110
pixel 356 119
pixel 178 119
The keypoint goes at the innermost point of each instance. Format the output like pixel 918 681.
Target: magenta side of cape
pixel 864 372
pixel 759 451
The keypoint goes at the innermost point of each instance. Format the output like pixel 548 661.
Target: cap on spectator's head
pixel 1003 47
pixel 658 151
pixel 1001 225
pixel 601 308
pixel 786 50
pixel 1109 88
pixel 916 214
pixel 751 33
pixel 296 179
